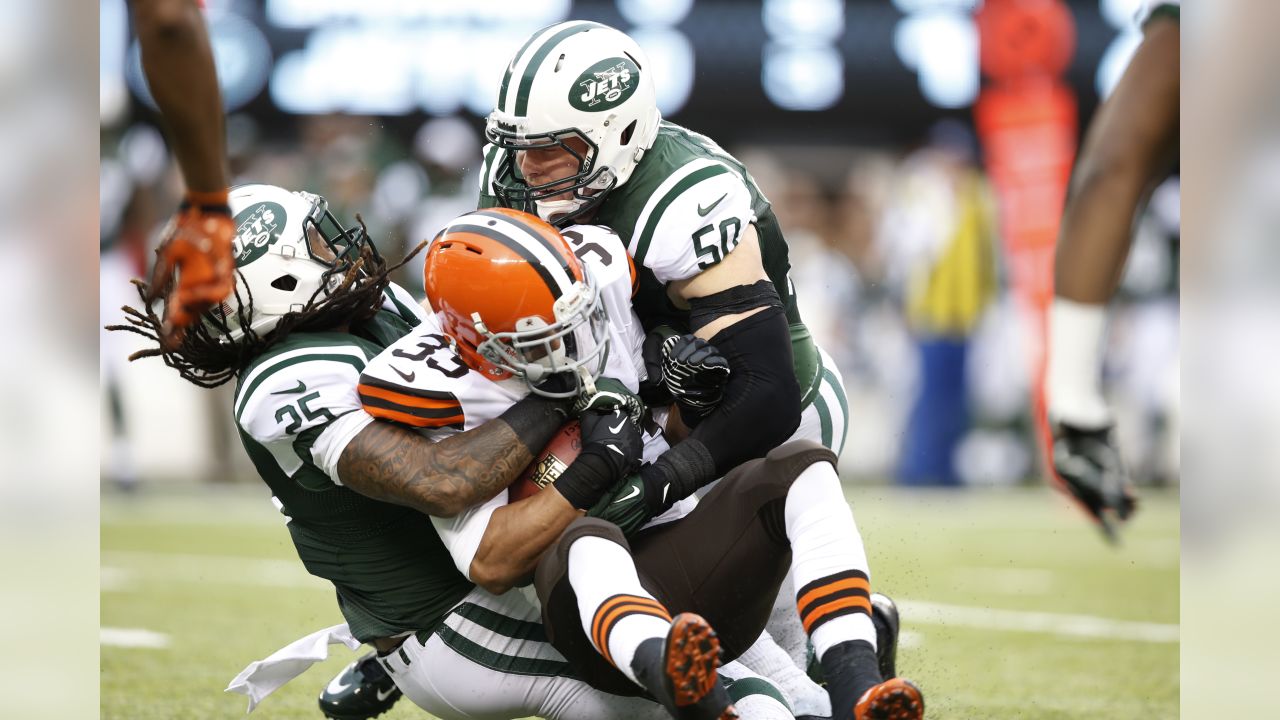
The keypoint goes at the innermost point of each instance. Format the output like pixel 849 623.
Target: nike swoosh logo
pixel 635 490
pixel 384 695
pixel 302 387
pixel 618 427
pixel 408 377
pixel 665 488
pixel 703 211
pixel 336 686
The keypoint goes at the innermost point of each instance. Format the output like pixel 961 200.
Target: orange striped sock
pixel 624 621
pixel 827 598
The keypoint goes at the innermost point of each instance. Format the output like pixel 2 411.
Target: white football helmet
pixel 574 80
pixel 290 253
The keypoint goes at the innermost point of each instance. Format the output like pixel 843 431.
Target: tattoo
pixel 390 463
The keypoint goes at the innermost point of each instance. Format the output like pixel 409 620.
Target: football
pixel 552 461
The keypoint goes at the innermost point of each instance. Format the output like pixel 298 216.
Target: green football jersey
pixel 682 211
pixel 296 408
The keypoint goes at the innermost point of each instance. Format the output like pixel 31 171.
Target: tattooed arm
pixel 388 462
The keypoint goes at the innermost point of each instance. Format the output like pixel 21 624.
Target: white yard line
pixel 229 569
pixel 133 638
pixel 127 568
pixel 1086 626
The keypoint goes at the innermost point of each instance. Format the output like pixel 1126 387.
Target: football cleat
pixel 683 677
pixel 884 615
pixel 361 691
pixel 893 699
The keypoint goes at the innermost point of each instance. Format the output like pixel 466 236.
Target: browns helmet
pixel 516 300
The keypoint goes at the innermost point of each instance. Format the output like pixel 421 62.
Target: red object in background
pixel 552 461
pixel 1027 119
pixel 1025 39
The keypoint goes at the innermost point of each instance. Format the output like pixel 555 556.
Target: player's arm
pixel 519 533
pixel 1129 146
pixel 705 247
pixel 178 62
pixel 389 462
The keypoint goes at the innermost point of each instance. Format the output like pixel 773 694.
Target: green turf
pixel 216 573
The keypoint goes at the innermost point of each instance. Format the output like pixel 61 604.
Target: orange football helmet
pixel 516 300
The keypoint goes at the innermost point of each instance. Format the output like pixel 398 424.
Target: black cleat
pixel 361 691
pixel 884 615
pixel 681 673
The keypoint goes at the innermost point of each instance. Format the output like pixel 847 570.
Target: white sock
pixel 766 658
pixel 828 562
pixel 1073 377
pixel 756 697
pixel 617 612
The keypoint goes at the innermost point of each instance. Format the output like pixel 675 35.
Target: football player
pixel 312 306
pixel 1129 147
pixel 577 137
pixel 515 304
pixel 178 63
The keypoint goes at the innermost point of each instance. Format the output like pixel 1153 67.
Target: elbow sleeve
pixel 761 405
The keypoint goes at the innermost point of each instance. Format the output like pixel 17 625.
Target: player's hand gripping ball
pixel 552 461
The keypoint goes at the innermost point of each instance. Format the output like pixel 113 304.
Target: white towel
pixel 264 677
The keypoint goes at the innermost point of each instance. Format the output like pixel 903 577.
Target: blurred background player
pixel 178 62
pixel 1130 146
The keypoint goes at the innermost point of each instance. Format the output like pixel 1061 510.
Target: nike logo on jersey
pixel 302 387
pixel 618 427
pixel 408 377
pixel 703 211
pixel 635 490
pixel 384 695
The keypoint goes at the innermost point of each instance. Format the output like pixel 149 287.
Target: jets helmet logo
pixel 605 85
pixel 257 228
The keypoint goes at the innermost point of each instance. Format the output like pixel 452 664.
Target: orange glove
pixel 197 243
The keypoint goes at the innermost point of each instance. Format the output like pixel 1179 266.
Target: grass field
pixel 1013 607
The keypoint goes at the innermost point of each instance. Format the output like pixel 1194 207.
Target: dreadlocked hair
pixel 204 356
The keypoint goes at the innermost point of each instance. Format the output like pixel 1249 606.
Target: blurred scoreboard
pixel 855 71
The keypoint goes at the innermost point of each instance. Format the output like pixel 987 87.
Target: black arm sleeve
pixel 761 405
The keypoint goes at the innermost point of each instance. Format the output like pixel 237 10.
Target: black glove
pixel 610 394
pixel 1089 465
pixel 611 450
pixel 695 372
pixel 653 390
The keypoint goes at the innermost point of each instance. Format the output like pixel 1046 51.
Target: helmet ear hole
pixel 625 138
pixel 287 283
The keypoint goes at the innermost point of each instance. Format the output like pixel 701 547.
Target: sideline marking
pixel 1086 626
